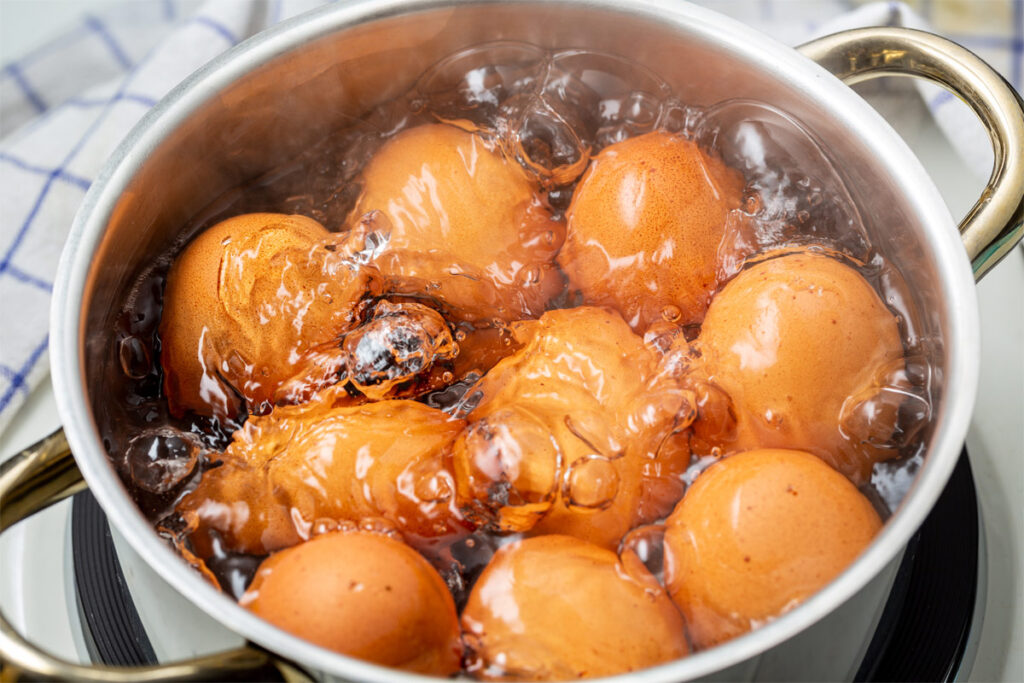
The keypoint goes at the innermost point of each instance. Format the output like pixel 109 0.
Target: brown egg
pixel 314 464
pixel 644 228
pixel 756 534
pixel 558 608
pixel 795 342
pixel 255 305
pixel 361 594
pixel 462 225
pixel 570 434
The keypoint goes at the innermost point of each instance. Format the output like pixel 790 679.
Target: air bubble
pixel 397 344
pixel 160 459
pixel 135 359
pixel 380 525
pixel 884 417
pixel 591 483
pixel 647 543
pixel 592 428
pixel 752 202
pixel 675 117
pixel 433 487
pixel 543 137
pixel 507 467
pixel 892 412
pixel 642 109
pixel 809 207
pixel 327 525
pixel 472 83
pixel 671 313
pixel 716 422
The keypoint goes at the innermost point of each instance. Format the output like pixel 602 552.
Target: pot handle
pixel 40 476
pixel 996 222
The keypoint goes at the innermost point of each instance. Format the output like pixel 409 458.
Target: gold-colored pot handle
pixel 40 476
pixel 996 222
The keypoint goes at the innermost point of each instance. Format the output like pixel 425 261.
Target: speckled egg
pixel 361 594
pixel 559 608
pixel 756 534
pixel 644 228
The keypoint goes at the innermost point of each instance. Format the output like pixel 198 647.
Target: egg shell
pixel 790 340
pixel 253 304
pixel 758 533
pixel 576 422
pixel 361 594
pixel 559 608
pixel 644 227
pixel 467 227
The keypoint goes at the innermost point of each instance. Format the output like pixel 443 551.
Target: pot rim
pixel 859 119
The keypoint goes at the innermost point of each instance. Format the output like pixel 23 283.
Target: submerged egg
pixel 793 342
pixel 303 466
pixel 362 594
pixel 571 414
pixel 756 534
pixel 572 434
pixel 559 608
pixel 465 226
pixel 253 308
pixel 644 228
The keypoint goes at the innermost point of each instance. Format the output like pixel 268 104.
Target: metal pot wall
pixel 270 96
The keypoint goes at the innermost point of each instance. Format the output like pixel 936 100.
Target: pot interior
pixel 271 98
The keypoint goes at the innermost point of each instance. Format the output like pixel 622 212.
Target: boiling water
pixel 551 112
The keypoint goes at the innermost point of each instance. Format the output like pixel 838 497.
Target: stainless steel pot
pixel 271 95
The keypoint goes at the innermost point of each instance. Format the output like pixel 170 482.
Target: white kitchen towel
pixel 66 105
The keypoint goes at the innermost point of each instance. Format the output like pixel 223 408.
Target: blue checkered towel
pixel 65 106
